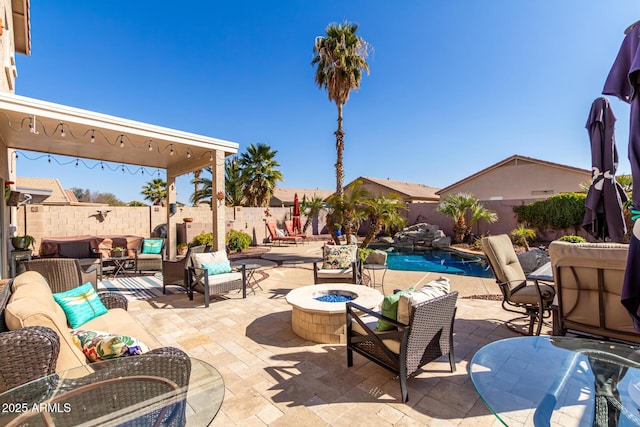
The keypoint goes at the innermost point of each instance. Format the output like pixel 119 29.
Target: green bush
pixel 572 239
pixel 203 239
pixel 557 212
pixel 238 240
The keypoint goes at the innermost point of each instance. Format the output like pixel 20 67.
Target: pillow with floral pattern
pixel 338 257
pixel 98 346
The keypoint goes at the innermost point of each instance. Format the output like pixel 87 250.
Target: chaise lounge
pixel 275 237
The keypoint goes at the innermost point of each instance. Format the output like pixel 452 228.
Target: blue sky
pixel 454 86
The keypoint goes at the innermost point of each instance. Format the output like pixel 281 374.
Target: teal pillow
pixel 151 246
pixel 217 267
pixel 80 304
pixel 390 309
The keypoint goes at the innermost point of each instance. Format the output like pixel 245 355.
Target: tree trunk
pixel 374 229
pixel 339 149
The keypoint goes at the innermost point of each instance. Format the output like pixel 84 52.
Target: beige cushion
pixel 118 321
pixel 372 322
pixel 209 258
pixel 433 289
pixel 504 261
pixel 33 286
pixel 218 278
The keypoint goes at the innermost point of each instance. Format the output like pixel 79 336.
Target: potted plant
pixel 118 252
pixel 338 228
pixel 22 243
pixel 182 248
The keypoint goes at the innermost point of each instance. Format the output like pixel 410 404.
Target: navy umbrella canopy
pixel 623 81
pixel 604 217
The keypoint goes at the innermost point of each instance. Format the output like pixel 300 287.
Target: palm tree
pixel 311 209
pixel 341 59
pixel 383 212
pixel 348 211
pixel 155 191
pixel 232 183
pixel 259 174
pixel 202 188
pixel 521 235
pixel 457 206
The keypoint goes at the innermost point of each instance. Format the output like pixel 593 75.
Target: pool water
pixel 439 261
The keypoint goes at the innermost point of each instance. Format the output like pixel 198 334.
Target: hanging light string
pixel 63 130
pixel 76 162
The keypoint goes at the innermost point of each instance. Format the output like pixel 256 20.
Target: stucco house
pixel 408 192
pixel 283 197
pixel 520 178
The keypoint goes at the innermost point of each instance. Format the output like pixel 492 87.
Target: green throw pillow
pixel 151 246
pixel 217 267
pixel 390 309
pixel 80 304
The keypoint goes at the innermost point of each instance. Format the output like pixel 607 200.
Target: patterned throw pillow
pixel 338 257
pixel 217 267
pixel 98 346
pixel 151 246
pixel 80 304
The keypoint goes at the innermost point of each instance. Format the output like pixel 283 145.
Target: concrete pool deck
pixel 275 378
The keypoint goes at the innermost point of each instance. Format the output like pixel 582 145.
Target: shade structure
pixel 623 82
pixel 296 214
pixel 604 217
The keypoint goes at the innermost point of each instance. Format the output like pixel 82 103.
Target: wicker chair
pixel 405 349
pixel 200 281
pixel 174 272
pixel 62 274
pixel 148 262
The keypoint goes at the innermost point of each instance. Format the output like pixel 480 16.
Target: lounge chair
pixel 271 226
pixel 149 254
pixel 288 225
pixel 340 264
pixel 174 272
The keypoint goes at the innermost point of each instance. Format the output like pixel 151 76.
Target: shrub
pixel 572 239
pixel 557 212
pixel 238 240
pixel 203 239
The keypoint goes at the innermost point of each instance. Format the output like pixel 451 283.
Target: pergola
pixel 35 125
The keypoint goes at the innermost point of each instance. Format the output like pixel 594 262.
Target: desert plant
pixel 572 239
pixel 238 240
pixel 203 239
pixel 459 206
pixel 521 236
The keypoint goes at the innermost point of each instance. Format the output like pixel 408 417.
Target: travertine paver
pixel 275 378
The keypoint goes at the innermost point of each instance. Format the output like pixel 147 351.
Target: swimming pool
pixel 438 261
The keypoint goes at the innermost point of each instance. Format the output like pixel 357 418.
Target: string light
pixel 210 156
pixel 93 136
pixel 62 134
pixel 150 146
pixel 171 152
pixel 188 154
pixel 121 141
pixel 76 162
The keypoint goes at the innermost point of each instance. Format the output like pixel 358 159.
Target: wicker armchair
pixel 174 272
pixel 62 274
pixel 405 349
pixel 200 281
pixel 147 262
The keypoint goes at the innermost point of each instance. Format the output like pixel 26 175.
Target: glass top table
pixel 544 381
pixel 140 390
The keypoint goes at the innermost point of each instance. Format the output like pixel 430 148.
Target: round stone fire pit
pixel 324 322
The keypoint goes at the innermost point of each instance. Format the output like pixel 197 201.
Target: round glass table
pixel 544 381
pixel 146 389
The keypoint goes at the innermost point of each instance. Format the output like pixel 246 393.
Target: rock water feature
pixel 421 235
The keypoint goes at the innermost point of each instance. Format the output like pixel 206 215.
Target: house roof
pixel 405 189
pixel 47 191
pixel 284 196
pixel 21 26
pixel 515 158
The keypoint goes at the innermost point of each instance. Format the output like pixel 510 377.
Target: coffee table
pixel 543 381
pixel 70 396
pixel 119 265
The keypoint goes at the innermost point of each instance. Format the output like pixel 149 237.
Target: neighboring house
pixel 48 191
pixel 520 178
pixel 408 192
pixel 283 197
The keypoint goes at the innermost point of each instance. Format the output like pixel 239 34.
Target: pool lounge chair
pixel 271 226
pixel 288 225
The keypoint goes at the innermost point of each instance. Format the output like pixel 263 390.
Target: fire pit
pixel 323 321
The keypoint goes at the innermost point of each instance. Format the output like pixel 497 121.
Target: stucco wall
pixel 522 181
pixel 7 49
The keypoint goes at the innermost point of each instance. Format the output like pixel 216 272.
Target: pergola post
pixel 172 235
pixel 218 206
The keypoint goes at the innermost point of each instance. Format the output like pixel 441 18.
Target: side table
pixel 250 269
pixel 16 257
pixel 373 268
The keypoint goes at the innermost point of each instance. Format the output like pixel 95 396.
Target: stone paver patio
pixel 275 378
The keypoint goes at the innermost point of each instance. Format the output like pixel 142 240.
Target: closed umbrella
pixel 623 82
pixel 296 214
pixel 604 218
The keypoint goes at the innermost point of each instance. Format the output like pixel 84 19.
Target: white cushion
pixel 224 278
pixel 209 258
pixel 280 233
pixel 335 272
pixel 429 291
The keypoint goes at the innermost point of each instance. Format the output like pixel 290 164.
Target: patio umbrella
pixel 623 82
pixel 296 214
pixel 604 218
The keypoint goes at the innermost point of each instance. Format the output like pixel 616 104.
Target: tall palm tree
pixel 232 183
pixel 348 211
pixel 259 174
pixel 340 57
pixel 383 212
pixel 311 209
pixel 155 191
pixel 202 187
pixel 457 206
